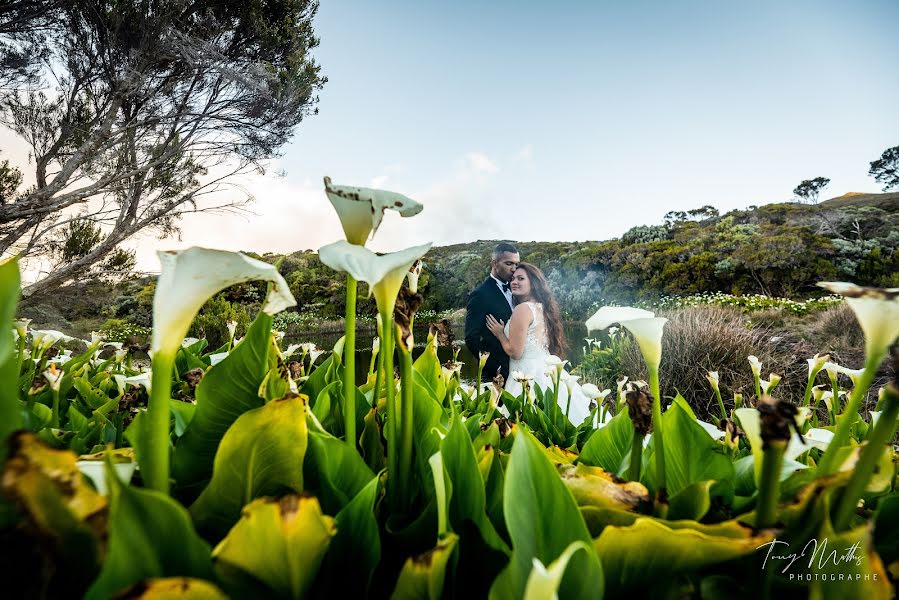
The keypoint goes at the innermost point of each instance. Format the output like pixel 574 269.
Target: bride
pixel 533 334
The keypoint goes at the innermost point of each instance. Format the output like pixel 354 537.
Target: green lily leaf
pixel 10 409
pixel 429 372
pixel 593 486
pixel 261 454
pixel 691 455
pixel 692 502
pixel 869 577
pixel 610 446
pixel 428 418
pixel 227 391
pixel 886 530
pixel 150 535
pixel 533 487
pixel 423 576
pixel 173 588
pixel 61 508
pixel 370 441
pixel 276 383
pixel 356 549
pixel 629 564
pixel 280 542
pixel 333 471
pixel 543 582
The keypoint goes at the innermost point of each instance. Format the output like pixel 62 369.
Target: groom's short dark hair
pixel 502 248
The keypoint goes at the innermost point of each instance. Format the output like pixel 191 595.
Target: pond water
pixel 575 332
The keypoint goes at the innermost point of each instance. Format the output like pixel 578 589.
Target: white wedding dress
pixel 533 363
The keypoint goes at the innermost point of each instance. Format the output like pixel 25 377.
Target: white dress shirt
pixel 507 292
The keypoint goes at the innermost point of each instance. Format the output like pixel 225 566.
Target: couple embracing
pixel 515 317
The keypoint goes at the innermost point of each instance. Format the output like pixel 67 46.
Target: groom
pixel 492 297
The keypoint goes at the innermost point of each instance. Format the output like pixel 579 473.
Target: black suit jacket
pixel 486 299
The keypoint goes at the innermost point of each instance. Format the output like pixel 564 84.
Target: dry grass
pixel 709 338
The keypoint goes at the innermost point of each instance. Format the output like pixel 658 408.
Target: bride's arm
pixel 513 344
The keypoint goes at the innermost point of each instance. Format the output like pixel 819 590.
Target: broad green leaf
pixel 692 502
pixel 10 409
pixel 543 582
pixel 423 576
pixel 543 520
pixel 593 486
pixel 174 588
pixel 60 505
pixel 333 471
pixel 228 390
pixel 610 446
pixel 373 450
pixel 427 366
pixel 886 529
pixel 184 414
pixel 649 552
pixel 261 454
pixel 870 580
pixel 356 549
pixel 428 416
pixel 280 542
pixel 276 383
pixel 690 454
pixel 150 535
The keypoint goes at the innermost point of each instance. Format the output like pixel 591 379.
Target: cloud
pixel 525 155
pixel 480 163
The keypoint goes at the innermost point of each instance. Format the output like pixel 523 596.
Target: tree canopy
pixel 138 112
pixel 885 169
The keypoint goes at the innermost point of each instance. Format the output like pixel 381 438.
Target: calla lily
pixel 361 210
pixel 44 338
pixel 712 377
pixel 521 377
pixel 190 277
pixel 21 327
pixel 376 345
pixel 591 391
pixel 384 273
pixel 141 379
pixel 876 309
pixel 606 316
pixel 817 363
pixel 854 375
pixel 570 381
pixel 189 341
pixel 187 280
pixel 215 359
pixel 613 331
pixel 53 377
pixel 451 371
pixel 290 350
pixel 712 430
pixel 769 384
pixel 413 275
pixel 755 365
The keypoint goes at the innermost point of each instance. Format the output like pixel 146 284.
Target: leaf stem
pixel 406 423
pixel 391 415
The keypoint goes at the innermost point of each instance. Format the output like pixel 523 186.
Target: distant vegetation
pixel 776 250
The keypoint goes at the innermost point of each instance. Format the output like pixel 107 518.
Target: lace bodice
pixel 535 345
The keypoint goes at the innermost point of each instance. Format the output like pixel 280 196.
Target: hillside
pixel 776 249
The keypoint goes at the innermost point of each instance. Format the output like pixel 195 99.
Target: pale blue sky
pixel 575 120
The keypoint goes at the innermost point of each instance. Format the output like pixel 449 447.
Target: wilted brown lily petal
pixel 407 304
pixel 639 407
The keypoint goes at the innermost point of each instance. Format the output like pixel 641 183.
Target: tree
pixel 808 190
pixel 147 111
pixel 885 169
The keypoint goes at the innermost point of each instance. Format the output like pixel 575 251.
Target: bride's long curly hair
pixel 552 316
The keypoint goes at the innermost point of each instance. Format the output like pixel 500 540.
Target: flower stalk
pixel 406 421
pixel 769 486
pixel 878 439
pixel 349 363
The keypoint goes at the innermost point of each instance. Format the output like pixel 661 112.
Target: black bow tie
pixel 505 287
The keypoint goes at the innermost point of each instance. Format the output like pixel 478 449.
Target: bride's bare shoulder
pixel 522 311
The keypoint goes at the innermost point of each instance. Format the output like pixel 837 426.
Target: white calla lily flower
pixel 769 384
pixel 712 377
pixel 232 328
pixel 53 377
pixel 291 349
pixel 854 375
pixel 592 392
pixel 712 430
pixel 606 316
pixel 817 363
pixel 44 338
pixel 20 326
pixel 413 274
pixel 218 357
pixel 189 341
pixel 190 277
pixel 141 379
pixel 877 311
pixel 755 365
pixel 361 210
pixel 383 273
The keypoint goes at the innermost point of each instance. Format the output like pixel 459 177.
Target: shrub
pixel 704 338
